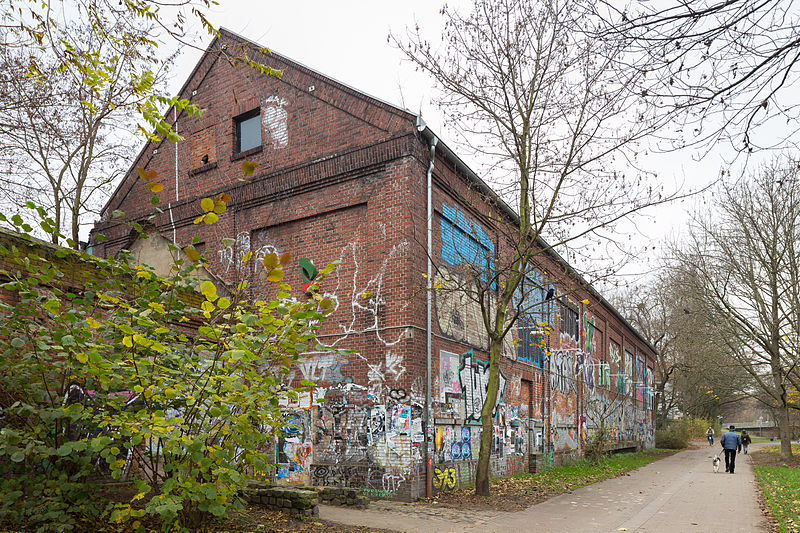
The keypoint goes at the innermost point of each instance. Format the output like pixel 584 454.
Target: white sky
pixel 347 40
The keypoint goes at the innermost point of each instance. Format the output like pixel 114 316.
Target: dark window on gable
pixel 248 131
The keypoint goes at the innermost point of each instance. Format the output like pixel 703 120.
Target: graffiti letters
pixel 444 478
pixel 561 371
pixel 474 379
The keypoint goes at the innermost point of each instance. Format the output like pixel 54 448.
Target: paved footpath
pixel 673 495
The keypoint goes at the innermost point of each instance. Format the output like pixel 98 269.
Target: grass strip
pixel 523 490
pixel 780 485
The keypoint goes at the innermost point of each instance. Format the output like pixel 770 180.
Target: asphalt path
pixel 680 493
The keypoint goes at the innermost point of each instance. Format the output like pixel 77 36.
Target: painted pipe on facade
pixel 432 141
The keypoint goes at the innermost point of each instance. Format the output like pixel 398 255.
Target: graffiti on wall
pixel 448 374
pixel 474 378
pixel 444 478
pixel 293 451
pixel 561 376
pixel 359 301
pixel 584 366
pixel 273 121
pixel 588 333
pixel 233 252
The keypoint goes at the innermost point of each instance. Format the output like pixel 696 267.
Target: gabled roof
pixel 256 52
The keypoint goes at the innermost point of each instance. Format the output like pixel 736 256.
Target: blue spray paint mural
pixel 464 241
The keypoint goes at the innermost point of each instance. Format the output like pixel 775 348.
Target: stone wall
pixel 301 501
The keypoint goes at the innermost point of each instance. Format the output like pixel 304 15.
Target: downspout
pixel 432 140
pixel 169 206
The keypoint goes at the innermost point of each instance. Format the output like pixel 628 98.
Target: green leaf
pixel 117 214
pixel 17 342
pixel 18 457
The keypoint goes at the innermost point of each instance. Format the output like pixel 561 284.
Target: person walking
pixel 732 444
pixel 710 436
pixel 745 440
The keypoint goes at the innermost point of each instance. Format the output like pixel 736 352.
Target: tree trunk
pixel 785 432
pixel 482 472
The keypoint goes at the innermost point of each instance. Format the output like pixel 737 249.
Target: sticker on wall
pixel 309 273
pixel 448 374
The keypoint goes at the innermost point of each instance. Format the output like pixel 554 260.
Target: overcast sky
pixel 347 40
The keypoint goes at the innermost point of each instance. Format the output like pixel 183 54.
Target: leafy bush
pixel 177 378
pixel 596 445
pixel 675 436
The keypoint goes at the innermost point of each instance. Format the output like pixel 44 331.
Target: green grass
pixel 520 491
pixel 781 488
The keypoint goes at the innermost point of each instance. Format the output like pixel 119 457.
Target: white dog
pixel 715 461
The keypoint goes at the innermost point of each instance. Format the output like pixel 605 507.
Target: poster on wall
pixel 448 374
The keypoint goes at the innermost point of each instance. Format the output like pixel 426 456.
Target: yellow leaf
pixel 138 497
pixel 275 274
pixel 94 324
pixel 270 261
pixel 126 340
pixel 209 290
pixel 82 357
pixel 219 207
pixel 210 218
pixel 207 306
pixel 155 186
pixel 147 175
pixel 224 303
pixel 248 167
pixel 586 302
pixel 207 204
pixel 191 253
pixel 198 220
pixel 246 257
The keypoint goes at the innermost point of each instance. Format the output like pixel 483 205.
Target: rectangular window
pixel 531 341
pixel 569 321
pixel 248 131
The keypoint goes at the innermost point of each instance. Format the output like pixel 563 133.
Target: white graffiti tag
pixel 474 379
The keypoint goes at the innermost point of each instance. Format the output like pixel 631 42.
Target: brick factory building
pixel 341 176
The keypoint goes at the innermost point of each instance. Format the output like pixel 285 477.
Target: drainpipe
pixel 432 140
pixel 169 205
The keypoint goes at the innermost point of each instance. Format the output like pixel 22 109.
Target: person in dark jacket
pixel 745 440
pixel 732 444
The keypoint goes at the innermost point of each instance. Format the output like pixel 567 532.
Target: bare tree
pixel 731 65
pixel 67 138
pixel 745 271
pixel 533 89
pixel 694 374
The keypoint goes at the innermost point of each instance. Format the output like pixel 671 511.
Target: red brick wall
pixel 341 177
